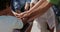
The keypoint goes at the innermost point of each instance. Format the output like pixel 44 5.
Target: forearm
pixel 31 5
pixel 37 4
pixel 27 6
pixel 39 11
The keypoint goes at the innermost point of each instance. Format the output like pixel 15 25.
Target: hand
pixel 23 15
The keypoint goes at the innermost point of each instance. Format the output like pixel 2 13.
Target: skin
pixel 40 10
pixel 34 13
pixel 37 10
pixel 27 5
pixel 31 5
pixel 6 11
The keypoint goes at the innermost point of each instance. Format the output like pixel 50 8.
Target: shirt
pixel 9 23
pixel 56 2
pixel 17 4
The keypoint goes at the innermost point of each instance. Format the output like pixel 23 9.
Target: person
pixel 15 8
pixel 40 10
pixel 43 9
pixel 8 22
pixel 51 13
pixel 18 5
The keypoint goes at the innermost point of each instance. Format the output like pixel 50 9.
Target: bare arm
pixel 36 12
pixel 39 11
pixel 31 5
pixel 37 4
pixel 27 5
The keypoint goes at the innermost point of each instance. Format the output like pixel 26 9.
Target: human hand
pixel 24 16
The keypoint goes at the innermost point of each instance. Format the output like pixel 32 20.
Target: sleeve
pixel 56 2
pixel 14 22
pixel 34 1
pixel 19 24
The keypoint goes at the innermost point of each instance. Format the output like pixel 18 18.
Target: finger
pixel 25 16
pixel 19 15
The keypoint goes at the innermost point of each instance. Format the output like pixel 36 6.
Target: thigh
pixel 41 22
pixel 43 26
pixel 40 25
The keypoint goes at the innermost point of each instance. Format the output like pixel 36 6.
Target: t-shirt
pixel 9 23
pixel 56 2
pixel 19 4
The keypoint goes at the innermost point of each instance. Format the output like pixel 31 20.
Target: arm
pixel 34 7
pixel 36 11
pixel 37 4
pixel 27 5
pixel 42 9
pixel 39 11
pixel 31 5
pixel 32 14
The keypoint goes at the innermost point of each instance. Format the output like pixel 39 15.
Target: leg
pixel 39 25
pixel 43 27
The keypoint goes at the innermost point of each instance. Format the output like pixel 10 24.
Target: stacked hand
pixel 24 16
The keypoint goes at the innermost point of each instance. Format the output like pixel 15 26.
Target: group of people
pixel 39 14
